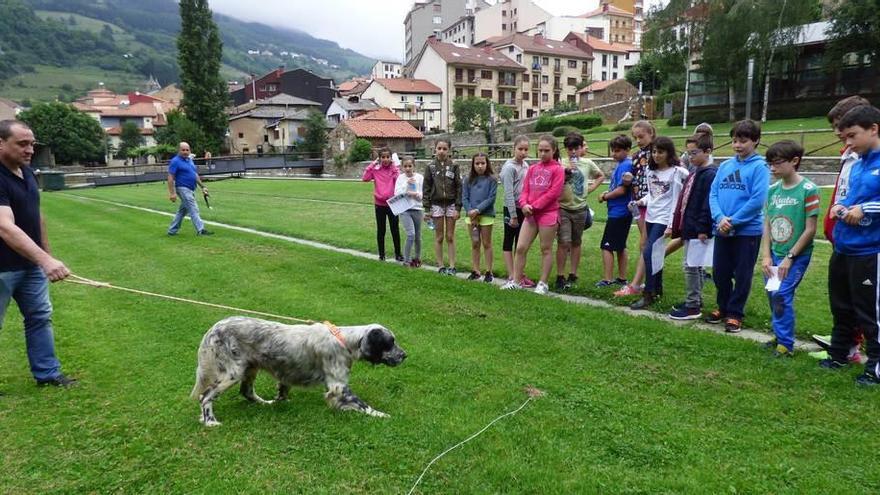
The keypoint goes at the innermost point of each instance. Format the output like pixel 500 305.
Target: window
pixel 572 64
pixel 403 98
pixel 519 58
pixel 438 19
pixel 471 93
pixel 614 61
pixel 430 115
pixel 614 75
pixel 626 57
pixel 616 23
pixel 504 27
pixel 459 75
pixel 525 98
pixel 530 113
pixel 534 99
pixel 510 49
pixel 545 79
pixel 486 93
pixel 536 64
pixel 486 74
pixel 604 60
pixel 556 82
pixel 503 13
pixel 616 38
pixel 545 97
pixel 420 98
pixel 240 135
pixel 604 76
pixel 545 61
pixel 571 81
pixel 556 98
pixel 472 75
pixel 571 99
pixel 459 92
pixel 516 115
pixel 535 79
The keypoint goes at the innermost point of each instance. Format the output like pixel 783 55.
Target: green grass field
pixel 632 405
pixel 47 82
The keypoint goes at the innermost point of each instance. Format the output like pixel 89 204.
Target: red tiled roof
pixel 480 57
pixel 540 44
pixel 600 45
pixel 136 110
pixel 401 85
pixel 599 85
pixel 378 114
pixel 382 123
pixel 612 10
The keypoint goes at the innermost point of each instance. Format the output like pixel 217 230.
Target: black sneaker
pixel 867 379
pixel 831 364
pixel 488 278
pixel 205 232
pixel 451 271
pixel 619 281
pixel 442 270
pixel 770 344
pixel 679 306
pixel 398 257
pixel 58 381
pixel 571 281
pixel 474 276
pixel 560 283
pixel 381 257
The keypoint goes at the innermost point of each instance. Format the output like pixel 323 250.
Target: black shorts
pixel 510 233
pixel 616 233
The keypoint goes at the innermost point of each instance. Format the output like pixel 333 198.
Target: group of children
pixel 723 216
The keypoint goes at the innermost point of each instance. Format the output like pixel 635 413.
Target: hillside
pixel 121 43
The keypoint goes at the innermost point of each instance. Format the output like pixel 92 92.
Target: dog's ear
pixel 376 343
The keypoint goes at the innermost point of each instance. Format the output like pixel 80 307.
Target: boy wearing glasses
pixel 693 221
pixel 787 244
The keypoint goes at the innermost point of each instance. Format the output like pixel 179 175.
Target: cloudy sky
pixel 371 27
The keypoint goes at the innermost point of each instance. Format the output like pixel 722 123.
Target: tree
pixel 470 113
pixel 315 138
pixel 361 151
pixel 199 52
pixel 854 30
pixel 181 129
pixel 72 135
pixel 129 139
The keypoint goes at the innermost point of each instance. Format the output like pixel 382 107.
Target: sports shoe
pixel 527 283
pixel 58 381
pixel 560 283
pixel 511 285
pixel 684 313
pixel 417 262
pixel 855 358
pixel 831 364
pixel 733 325
pixel 205 232
pixel 488 278
pixel 381 257
pixel 474 276
pixel 867 379
pixel 451 271
pixel 818 355
pixel 619 281
pixel 604 283
pixel 627 290
pixel 398 257
pixel 679 305
pixel 770 344
pixel 571 281
pixel 646 300
pixel 782 351
pixel 823 341
pixel 442 270
pixel 542 288
pixel 714 317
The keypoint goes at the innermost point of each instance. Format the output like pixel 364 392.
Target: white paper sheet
pixel 658 255
pixel 773 283
pixel 401 203
pixel 700 253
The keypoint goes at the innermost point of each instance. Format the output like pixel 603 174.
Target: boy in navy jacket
pixel 737 198
pixel 853 277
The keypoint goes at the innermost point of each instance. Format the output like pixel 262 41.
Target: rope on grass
pixel 532 393
pixel 76 279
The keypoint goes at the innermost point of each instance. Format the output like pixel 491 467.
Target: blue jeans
pixel 30 289
pixel 782 300
pixel 653 283
pixel 187 205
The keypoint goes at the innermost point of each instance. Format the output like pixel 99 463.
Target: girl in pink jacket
pixel 383 173
pixel 542 187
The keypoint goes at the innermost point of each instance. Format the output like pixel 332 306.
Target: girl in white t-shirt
pixel 664 179
pixel 410 183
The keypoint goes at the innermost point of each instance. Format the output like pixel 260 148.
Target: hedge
pixel 581 121
pixel 562 131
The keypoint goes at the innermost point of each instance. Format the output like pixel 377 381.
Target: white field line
pixel 752 335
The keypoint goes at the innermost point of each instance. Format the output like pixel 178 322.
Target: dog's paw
pixel 377 414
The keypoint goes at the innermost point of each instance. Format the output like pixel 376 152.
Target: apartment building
pixel 430 18
pixel 507 17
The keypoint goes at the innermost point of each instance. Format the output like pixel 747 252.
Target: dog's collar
pixel 336 333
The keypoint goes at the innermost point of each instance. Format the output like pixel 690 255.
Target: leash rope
pixel 76 279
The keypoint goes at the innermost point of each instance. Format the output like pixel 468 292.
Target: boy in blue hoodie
pixel 853 276
pixel 736 199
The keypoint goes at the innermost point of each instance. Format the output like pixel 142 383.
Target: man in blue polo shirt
pixel 26 267
pixel 182 179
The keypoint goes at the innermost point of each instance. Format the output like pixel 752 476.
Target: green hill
pixel 58 49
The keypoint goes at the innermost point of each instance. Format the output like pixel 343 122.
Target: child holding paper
pixel 693 223
pixel 664 183
pixel 410 183
pixel 787 244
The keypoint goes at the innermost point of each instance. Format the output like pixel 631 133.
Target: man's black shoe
pixel 205 232
pixel 58 381
pixel 867 379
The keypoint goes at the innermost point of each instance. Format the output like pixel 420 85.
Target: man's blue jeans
pixel 782 300
pixel 188 204
pixel 30 289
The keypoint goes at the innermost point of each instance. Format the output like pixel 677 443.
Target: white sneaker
pixel 542 288
pixel 511 285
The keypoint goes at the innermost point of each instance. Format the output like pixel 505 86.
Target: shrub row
pixel 580 120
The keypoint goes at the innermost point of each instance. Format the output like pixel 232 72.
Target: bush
pixel 562 131
pixel 581 121
pixel 623 126
pixel 596 130
pixel 361 151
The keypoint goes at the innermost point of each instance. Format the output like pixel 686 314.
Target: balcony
pixel 508 102
pixel 557 88
pixel 557 68
pixel 466 82
pixel 507 82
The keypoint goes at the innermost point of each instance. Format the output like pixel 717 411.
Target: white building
pixel 610 60
pixel 558 27
pixel 386 70
pixel 507 17
pixel 461 32
pixel 417 101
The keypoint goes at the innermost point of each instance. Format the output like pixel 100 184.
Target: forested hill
pixel 138 38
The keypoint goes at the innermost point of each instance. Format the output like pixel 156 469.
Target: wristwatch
pixel 790 255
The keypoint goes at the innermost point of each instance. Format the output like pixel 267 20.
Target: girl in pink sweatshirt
pixel 542 187
pixel 383 173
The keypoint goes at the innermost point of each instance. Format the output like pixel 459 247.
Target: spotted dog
pixel 235 349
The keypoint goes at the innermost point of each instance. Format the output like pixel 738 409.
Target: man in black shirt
pixel 26 266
